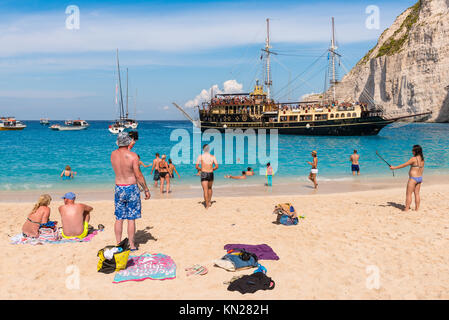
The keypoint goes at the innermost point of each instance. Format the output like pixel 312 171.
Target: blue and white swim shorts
pixel 127 202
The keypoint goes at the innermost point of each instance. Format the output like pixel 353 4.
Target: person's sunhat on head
pixel 123 139
pixel 69 196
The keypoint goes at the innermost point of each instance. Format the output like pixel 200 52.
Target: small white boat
pixel 44 121
pixel 116 128
pixel 71 125
pixel 11 124
pixel 131 124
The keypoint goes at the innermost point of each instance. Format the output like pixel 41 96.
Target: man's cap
pixel 69 196
pixel 123 139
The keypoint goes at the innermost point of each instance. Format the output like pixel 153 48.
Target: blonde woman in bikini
pixel 314 170
pixel 415 173
pixel 39 215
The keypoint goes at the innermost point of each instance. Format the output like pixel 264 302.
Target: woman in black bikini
pixel 164 174
pixel 416 164
pixel 39 215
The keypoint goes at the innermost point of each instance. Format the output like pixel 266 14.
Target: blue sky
pixel 173 51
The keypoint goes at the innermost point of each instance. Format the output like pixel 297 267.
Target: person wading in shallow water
pixel 207 164
pixel 127 194
pixel 314 170
pixel 355 167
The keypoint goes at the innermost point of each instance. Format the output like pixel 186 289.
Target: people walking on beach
pixel 39 215
pixel 314 170
pixel 74 217
pixel 269 174
pixel 207 163
pixel 415 180
pixel 127 194
pixel 172 168
pixel 243 176
pixel 355 167
pixel 67 173
pixel 164 173
pixel 156 176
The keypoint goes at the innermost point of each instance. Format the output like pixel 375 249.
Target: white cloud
pixel 191 30
pixel 40 94
pixel 229 86
pixel 165 107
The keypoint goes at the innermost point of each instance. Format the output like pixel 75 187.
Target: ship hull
pixel 349 127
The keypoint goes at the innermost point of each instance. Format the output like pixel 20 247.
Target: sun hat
pixel 123 139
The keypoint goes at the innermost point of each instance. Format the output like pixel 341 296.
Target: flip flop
pixel 196 269
pixel 135 249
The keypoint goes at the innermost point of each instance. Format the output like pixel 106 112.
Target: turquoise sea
pixel 33 159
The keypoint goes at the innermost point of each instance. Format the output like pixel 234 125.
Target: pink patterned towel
pixel 147 266
pixel 47 235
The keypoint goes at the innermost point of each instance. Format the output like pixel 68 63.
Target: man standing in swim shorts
pixel 208 165
pixel 155 167
pixel 127 194
pixel 314 170
pixel 354 158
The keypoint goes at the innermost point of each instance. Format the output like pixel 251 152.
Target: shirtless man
pixel 314 170
pixel 243 176
pixel 155 167
pixel 208 165
pixel 127 194
pixel 354 158
pixel 74 217
pixel 249 171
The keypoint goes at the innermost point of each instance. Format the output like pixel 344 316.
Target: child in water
pixel 67 174
pixel 269 175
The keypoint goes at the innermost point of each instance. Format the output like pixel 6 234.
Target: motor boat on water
pixel 11 124
pixel 44 121
pixel 71 125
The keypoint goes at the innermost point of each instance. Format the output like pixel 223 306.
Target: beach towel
pixel 47 235
pixel 147 266
pixel 252 283
pixel 262 251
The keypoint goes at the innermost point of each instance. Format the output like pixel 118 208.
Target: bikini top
pixel 416 166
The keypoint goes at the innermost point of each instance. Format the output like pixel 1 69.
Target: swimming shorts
pixel 269 180
pixel 156 175
pixel 355 167
pixel 207 176
pixel 81 236
pixel 314 171
pixel 127 202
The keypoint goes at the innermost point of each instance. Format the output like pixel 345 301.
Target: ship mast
pixel 333 57
pixel 127 93
pixel 267 48
pixel 120 84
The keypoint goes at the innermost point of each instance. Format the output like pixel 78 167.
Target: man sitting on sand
pixel 243 176
pixel 74 217
pixel 354 158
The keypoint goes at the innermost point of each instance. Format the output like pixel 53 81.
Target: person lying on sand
pixel 74 217
pixel 243 176
pixel 39 215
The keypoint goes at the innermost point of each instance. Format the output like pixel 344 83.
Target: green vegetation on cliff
pixel 393 45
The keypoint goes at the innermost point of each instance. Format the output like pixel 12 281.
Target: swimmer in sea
pixel 355 167
pixel 243 176
pixel 67 173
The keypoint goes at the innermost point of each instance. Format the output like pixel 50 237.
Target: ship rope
pixel 301 74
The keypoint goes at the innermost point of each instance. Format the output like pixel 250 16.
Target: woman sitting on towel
pixel 39 215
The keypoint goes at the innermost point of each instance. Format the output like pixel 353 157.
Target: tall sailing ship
pixel 258 110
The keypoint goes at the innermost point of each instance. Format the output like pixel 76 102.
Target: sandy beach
pixel 329 255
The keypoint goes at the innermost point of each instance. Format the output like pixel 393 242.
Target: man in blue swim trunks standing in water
pixel 127 194
pixel 355 167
